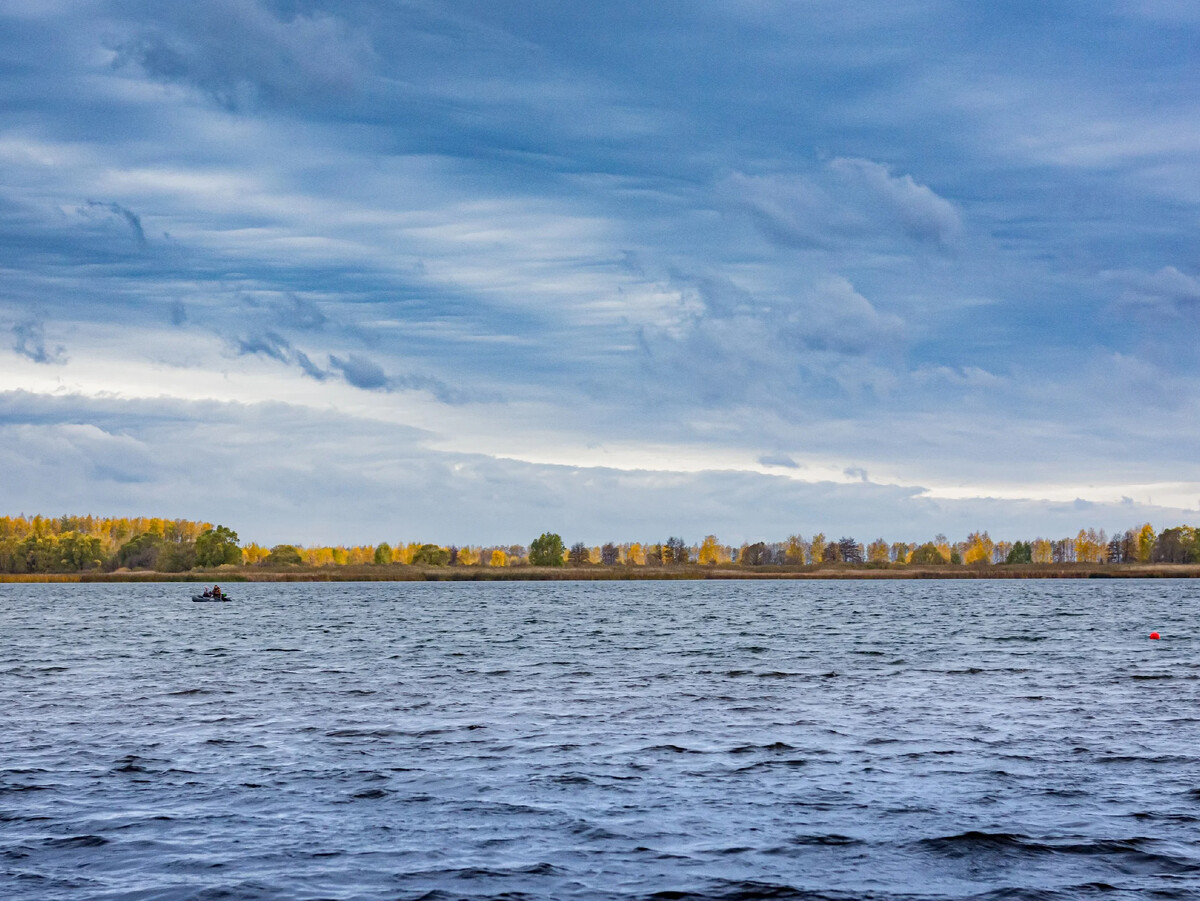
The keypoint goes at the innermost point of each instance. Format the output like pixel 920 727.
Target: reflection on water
pixel 557 740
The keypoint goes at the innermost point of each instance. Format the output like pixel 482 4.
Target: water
pixel 720 740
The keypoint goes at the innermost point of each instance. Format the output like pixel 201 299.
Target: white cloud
pixel 847 199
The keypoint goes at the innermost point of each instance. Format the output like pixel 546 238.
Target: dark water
pixel 719 740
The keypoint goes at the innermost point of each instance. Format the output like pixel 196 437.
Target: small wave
pixel 824 839
pixel 1130 854
pixel 750 890
pixel 774 747
pixel 77 841
pixel 764 764
pixel 22 787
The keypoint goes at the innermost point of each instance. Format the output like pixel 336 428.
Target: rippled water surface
pixel 722 740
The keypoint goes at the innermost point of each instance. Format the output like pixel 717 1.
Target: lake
pixel 729 740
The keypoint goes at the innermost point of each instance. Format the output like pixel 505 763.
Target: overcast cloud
pixel 469 271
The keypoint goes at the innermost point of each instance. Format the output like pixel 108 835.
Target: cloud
pixel 922 214
pixel 360 371
pixel 130 218
pixel 243 55
pixel 279 473
pixel 268 344
pixel 781 460
pixel 847 199
pixel 30 341
pixel 303 314
pixel 1165 291
pixel 311 369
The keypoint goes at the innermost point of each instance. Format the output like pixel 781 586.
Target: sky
pixel 345 272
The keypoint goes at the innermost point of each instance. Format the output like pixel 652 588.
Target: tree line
pixel 68 544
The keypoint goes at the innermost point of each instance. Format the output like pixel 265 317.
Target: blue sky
pixel 469 271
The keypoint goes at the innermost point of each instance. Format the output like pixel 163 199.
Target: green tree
pixel 927 554
pixel 218 546
pixel 431 555
pixel 383 554
pixel 284 555
pixel 142 552
pixel 177 557
pixel 1022 552
pixel 546 550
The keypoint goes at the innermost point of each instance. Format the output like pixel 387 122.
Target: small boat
pixel 201 598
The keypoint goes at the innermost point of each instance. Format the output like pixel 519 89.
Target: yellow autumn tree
pixel 710 554
pixel 252 554
pixel 817 548
pixel 1043 551
pixel 877 551
pixel 499 558
pixel 1145 543
pixel 979 548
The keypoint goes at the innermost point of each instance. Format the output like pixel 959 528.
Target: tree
pixel 141 552
pixel 753 554
pixel 177 557
pixel 710 551
pixel 284 555
pixel 797 550
pixel 877 551
pixel 851 551
pixel 253 553
pixel 610 554
pixel 578 554
pixel 927 554
pixel 1177 545
pixel 816 550
pixel 1022 552
pixel 675 551
pixel 218 546
pixel 1042 550
pixel 383 554
pixel 943 545
pixel 78 552
pixel 979 548
pixel 546 550
pixel 1145 543
pixel 431 555
pixel 499 558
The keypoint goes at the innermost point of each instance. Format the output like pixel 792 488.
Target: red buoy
pixel 1154 635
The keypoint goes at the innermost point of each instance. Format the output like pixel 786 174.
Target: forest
pixel 80 544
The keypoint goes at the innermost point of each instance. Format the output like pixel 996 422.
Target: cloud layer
pixel 887 260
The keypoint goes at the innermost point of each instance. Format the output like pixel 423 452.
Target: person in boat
pixel 216 592
pixel 207 593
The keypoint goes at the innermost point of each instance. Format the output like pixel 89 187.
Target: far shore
pixel 401 573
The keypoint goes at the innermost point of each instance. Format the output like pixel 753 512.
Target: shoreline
pixel 691 572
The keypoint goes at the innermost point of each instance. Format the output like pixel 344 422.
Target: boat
pixel 200 599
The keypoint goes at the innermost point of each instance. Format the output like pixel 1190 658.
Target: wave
pixel 1131 854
